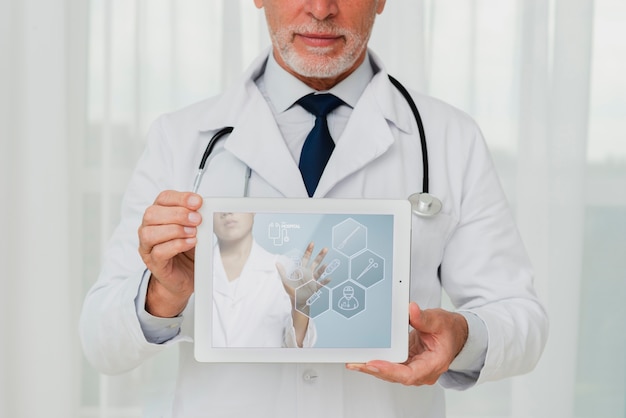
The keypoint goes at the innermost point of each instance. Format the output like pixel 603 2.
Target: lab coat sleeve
pixel 110 331
pixel 465 369
pixel 486 271
pixel 156 330
pixel 310 338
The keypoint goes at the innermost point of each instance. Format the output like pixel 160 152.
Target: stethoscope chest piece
pixel 424 204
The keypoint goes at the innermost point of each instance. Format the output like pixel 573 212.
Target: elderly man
pixel 142 302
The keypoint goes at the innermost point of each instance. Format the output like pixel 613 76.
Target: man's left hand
pixel 436 339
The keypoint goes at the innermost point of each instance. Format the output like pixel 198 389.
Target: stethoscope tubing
pixel 213 142
pixel 207 152
pixel 420 127
pixel 423 204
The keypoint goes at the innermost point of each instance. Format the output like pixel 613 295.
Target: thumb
pixel 283 278
pixel 419 319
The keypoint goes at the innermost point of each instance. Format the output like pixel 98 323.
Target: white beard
pixel 318 64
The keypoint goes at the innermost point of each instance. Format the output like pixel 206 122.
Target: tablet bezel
pixel 400 282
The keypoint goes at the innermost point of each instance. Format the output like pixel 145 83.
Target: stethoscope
pixel 422 204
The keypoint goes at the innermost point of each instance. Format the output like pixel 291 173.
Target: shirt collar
pixel 283 89
pixel 226 110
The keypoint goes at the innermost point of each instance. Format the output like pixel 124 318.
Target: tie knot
pixel 320 104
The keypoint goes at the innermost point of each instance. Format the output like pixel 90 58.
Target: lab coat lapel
pixel 220 281
pixel 366 137
pixel 259 266
pixel 257 141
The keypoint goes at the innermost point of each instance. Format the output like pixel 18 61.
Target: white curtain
pixel 39 294
pixel 80 81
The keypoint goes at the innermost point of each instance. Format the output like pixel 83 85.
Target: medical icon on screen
pixel 349 237
pixel 348 299
pixel 315 304
pixel 348 302
pixel 278 233
pixel 352 270
pixel 367 268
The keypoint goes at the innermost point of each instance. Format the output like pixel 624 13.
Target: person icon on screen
pixel 348 302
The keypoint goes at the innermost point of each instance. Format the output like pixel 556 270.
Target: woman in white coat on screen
pixel 254 301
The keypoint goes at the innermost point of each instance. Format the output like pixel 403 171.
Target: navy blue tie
pixel 318 145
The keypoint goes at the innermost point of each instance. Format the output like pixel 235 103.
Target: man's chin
pixel 318 64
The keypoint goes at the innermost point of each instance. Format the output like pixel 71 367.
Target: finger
pixel 380 371
pixel 314 285
pixel 152 235
pixel 320 270
pixel 191 254
pixel 422 370
pixel 307 254
pixel 163 215
pixel 188 200
pixel 319 258
pixel 162 253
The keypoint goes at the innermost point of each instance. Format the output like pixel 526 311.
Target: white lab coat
pixel 472 249
pixel 253 310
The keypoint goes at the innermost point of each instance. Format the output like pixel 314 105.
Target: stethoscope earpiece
pixel 424 204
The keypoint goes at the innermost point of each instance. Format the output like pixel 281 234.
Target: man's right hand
pixel 167 240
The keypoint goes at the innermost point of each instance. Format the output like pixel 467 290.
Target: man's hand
pixel 167 239
pixel 436 339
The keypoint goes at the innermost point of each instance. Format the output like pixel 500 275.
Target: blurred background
pixel 81 80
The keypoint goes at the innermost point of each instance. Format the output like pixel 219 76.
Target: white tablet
pixel 302 280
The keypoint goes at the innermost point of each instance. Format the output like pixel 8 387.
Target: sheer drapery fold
pixel 553 130
pixel 38 299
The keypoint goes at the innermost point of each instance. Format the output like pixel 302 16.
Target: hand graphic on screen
pixel 307 278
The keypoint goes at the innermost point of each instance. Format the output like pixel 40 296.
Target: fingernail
pixel 189 230
pixel 194 217
pixel 193 201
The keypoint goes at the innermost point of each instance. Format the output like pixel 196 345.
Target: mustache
pixel 326 27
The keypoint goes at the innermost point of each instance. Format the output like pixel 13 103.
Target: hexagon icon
pixel 315 303
pixel 348 299
pixel 349 237
pixel 337 269
pixel 367 268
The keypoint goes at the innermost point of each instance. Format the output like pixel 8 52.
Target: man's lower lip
pixel 318 41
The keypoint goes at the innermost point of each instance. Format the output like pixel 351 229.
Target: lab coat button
pixel 309 376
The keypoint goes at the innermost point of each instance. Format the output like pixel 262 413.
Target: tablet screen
pixel 270 269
